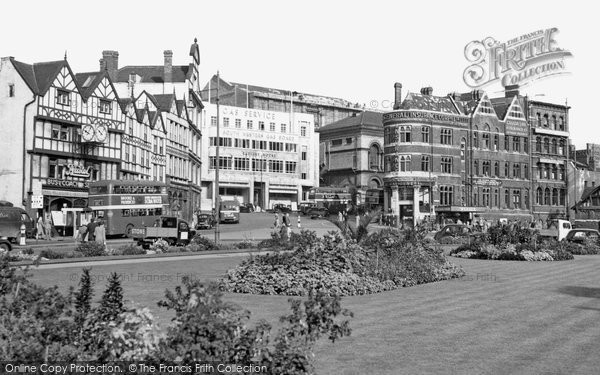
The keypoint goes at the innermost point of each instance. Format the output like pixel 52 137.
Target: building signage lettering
pixel 487 182
pixel 248 113
pixel 67 183
pixel 518 128
pixel 412 116
pixel 78 170
pixel 517 62
pixel 260 155
pixel 257 135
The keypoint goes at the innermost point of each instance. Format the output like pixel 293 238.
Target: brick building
pixel 468 156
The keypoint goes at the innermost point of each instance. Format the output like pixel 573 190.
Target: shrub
pixel 588 247
pixel 204 243
pixel 192 247
pixel 51 254
pixel 246 244
pixel 160 246
pixel 91 249
pixel 28 251
pixel 338 266
pixel 558 250
pixel 132 249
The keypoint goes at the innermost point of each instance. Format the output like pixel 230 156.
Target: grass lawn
pixel 502 318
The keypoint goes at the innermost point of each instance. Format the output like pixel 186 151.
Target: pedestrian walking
pixel 287 223
pixel 276 223
pixel 48 228
pixel 100 234
pixel 82 234
pixel 340 216
pixel 91 229
pixel 40 228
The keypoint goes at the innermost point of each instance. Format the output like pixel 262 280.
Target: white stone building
pixel 266 157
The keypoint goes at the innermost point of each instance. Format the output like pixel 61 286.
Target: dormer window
pixel 105 107
pixel 63 97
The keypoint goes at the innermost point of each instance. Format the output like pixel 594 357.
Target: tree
pixel 83 298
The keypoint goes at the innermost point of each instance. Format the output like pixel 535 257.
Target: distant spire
pixel 65 55
pixel 195 40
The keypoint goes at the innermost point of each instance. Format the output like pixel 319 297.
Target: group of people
pixel 43 228
pixel 93 231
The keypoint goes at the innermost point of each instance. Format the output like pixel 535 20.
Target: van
pixel 11 219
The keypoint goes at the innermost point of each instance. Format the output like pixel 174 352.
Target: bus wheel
pixel 128 229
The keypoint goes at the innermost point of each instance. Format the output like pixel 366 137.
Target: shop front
pixel 65 202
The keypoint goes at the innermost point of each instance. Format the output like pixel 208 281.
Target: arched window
pixel 554 172
pixel 538 196
pixel 375 157
pixel 546 122
pixel 463 143
pixel 525 171
pixel 526 198
pixel 496 198
pixel 554 147
pixel 475 136
pixel 561 123
pixel 546 146
pixel 425 134
pixel 555 197
pixel 554 123
pixel 496 169
pixel 506 170
pixel 561 147
pixel 404 134
pixel 496 142
pixel 476 168
pixel 506 198
pixel 425 163
pixel 539 119
pixel 486 136
pixel 405 163
pixel 486 166
pixel 547 197
pixel 561 174
pixel 538 144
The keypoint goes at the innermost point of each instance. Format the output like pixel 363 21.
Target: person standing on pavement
pixel 40 228
pixel 91 228
pixel 48 228
pixel 276 223
pixel 100 234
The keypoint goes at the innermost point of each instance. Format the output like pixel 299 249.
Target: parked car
pixel 11 219
pixel 456 230
pixel 246 207
pixel 581 234
pixel 205 221
pixel 305 207
pixel 318 212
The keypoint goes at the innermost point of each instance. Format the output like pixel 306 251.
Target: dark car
pixel 317 212
pixel 456 231
pixel 11 219
pixel 246 207
pixel 205 221
pixel 580 235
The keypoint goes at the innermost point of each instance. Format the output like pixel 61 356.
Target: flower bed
pixel 384 261
pixel 546 251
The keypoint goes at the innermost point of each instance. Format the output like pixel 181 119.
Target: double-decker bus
pixel 125 204
pixel 334 199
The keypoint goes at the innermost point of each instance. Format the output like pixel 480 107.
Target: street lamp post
pixel 217 162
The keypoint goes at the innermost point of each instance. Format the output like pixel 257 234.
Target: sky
pixel 354 50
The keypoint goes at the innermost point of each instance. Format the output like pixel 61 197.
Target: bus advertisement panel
pixel 334 199
pixel 124 205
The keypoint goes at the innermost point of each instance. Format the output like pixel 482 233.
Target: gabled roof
pixel 164 102
pixel 501 106
pixel 89 81
pixel 40 76
pixel 154 73
pixel 363 118
pixel 124 103
pixel 429 103
pixel 587 192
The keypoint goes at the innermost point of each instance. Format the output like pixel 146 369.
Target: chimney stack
pixel 397 95
pixel 511 90
pixel 101 64
pixel 427 91
pixel 111 63
pixel 168 69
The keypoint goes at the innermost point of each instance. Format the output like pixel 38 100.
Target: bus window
pixel 126 213
pixel 158 211
pixel 134 212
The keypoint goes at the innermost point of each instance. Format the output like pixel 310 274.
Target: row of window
pixel 63 97
pixel 255 165
pixel 491 198
pixel 547 146
pixel 519 170
pixel 550 197
pixel 283 128
pixel 551 171
pixel 141 212
pixel 253 144
pixel 403 163
pixel 552 122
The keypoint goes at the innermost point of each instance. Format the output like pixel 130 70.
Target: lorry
pixel 175 231
pixel 558 229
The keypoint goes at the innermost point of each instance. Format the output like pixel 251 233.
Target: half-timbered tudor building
pixel 59 132
pixel 173 92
